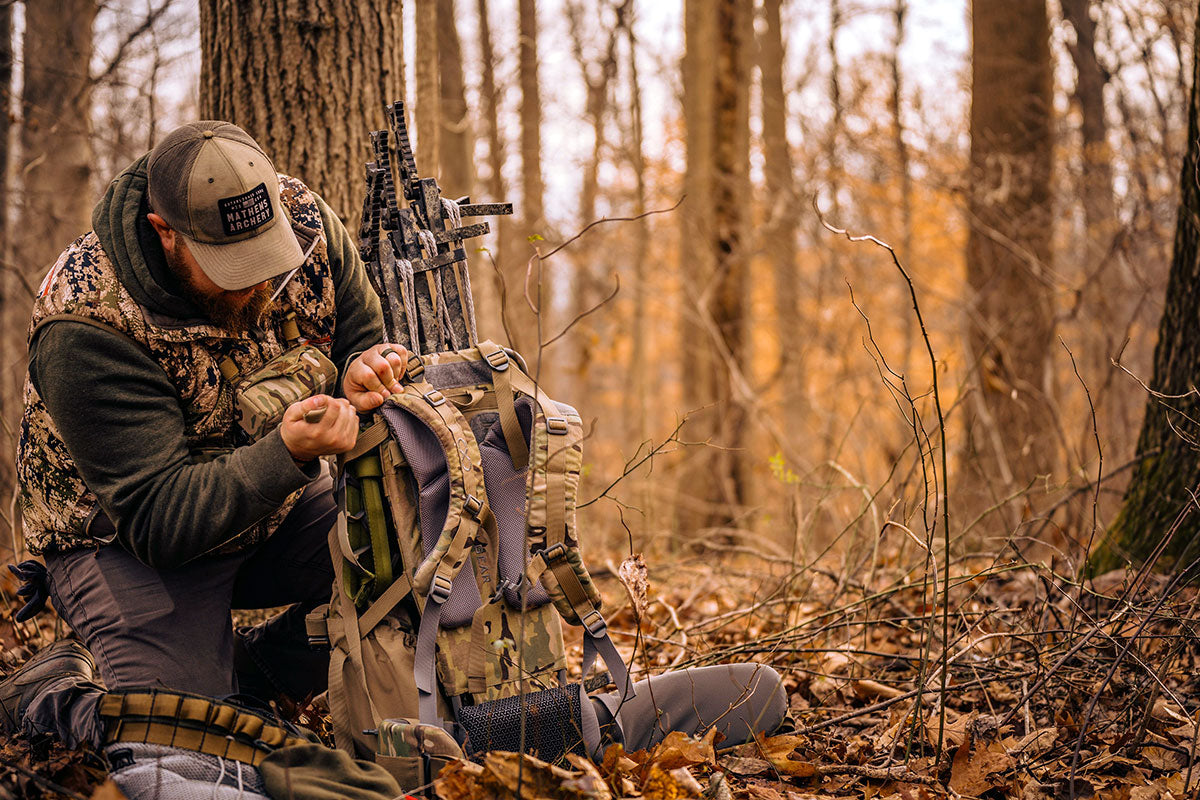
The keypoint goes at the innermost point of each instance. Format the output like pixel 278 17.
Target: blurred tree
pixel 427 115
pixel 781 227
pixel 54 204
pixel 526 329
pixel 489 97
pixel 456 171
pixel 6 75
pixel 1160 502
pixel 307 81
pixel 1010 321
pixel 715 259
pixel 903 165
pixel 635 400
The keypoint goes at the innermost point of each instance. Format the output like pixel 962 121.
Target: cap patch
pixel 245 212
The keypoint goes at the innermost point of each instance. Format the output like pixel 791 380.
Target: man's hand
pixel 375 376
pixel 334 432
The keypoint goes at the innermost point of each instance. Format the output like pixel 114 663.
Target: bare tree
pixel 429 103
pixel 456 149
pixel 1010 319
pixel 307 80
pixel 715 266
pixel 525 328
pixel 490 313
pixel 54 167
pixel 781 227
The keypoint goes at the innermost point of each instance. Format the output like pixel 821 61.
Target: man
pixel 155 512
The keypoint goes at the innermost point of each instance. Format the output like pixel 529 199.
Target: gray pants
pixel 172 629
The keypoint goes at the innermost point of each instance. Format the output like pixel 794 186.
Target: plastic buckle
pixel 497 360
pixel 556 425
pixel 472 506
pixel 434 397
pixel 554 553
pixel 415 368
pixel 439 590
pixel 594 622
pixel 504 585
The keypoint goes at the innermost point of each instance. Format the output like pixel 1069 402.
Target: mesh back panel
pixel 506 496
pixel 171 773
pixel 552 724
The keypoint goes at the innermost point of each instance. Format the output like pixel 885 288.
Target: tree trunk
pixel 308 81
pixel 55 167
pixel 489 320
pixel 780 228
pixel 527 328
pixel 428 116
pixel 6 109
pixel 1160 499
pixel 1010 323
pixel 716 95
pixel 456 149
pixel 636 400
pixel 903 169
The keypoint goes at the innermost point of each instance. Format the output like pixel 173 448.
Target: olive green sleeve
pixel 120 418
pixel 359 318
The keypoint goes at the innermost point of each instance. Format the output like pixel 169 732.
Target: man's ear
pixel 166 234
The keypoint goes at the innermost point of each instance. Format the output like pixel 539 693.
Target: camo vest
pixel 57 509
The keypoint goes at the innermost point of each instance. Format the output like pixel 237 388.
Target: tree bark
pixel 428 116
pixel 903 168
pixel 54 164
pixel 307 80
pixel 457 141
pixel 636 400
pixel 527 327
pixel 780 228
pixel 6 109
pixel 717 116
pixel 1012 442
pixel 1160 499
pixel 489 316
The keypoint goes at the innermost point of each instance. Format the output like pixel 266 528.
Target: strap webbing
pixel 502 369
pixel 384 605
pixel 370 477
pixel 369 438
pixel 425 661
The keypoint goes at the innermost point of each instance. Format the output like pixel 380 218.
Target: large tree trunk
pixel 6 74
pixel 308 81
pixel 1160 500
pixel 903 168
pixel 781 226
pixel 55 159
pixel 715 266
pixel 1010 319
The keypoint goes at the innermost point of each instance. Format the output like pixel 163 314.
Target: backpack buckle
pixel 440 588
pixel 593 622
pixel 415 367
pixel 497 360
pixel 555 553
pixel 434 397
pixel 556 425
pixel 472 506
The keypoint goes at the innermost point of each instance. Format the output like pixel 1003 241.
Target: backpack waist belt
pixel 192 722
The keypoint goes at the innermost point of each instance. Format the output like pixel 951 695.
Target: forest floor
pixel 1047 689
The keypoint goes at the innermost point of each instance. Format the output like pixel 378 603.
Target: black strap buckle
pixel 594 622
pixel 434 397
pixel 439 590
pixel 557 425
pixel 497 359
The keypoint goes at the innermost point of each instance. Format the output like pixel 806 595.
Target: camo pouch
pixel 414 753
pixel 261 397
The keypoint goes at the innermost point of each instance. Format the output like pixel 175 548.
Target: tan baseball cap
pixel 215 186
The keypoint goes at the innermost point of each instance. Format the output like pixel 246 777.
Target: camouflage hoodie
pixel 126 410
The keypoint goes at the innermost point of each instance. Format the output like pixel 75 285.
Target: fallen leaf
pixel 660 785
pixel 972 767
pixel 745 766
pixel 687 782
pixel 718 788
pixel 632 574
pixel 108 791
pixel 868 689
pixel 680 750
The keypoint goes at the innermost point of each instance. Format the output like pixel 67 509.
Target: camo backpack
pixel 456 553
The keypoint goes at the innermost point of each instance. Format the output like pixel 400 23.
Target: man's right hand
pixel 335 432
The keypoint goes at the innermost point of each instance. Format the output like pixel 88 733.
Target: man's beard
pixel 236 311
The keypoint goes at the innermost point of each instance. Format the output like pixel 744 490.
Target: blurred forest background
pixel 757 380
pixel 883 316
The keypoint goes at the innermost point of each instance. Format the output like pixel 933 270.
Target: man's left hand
pixel 375 376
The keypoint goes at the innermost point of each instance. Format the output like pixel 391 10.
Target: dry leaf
pixel 680 750
pixel 660 785
pixel 868 689
pixel 687 782
pixel 745 766
pixel 969 774
pixel 632 574
pixel 108 791
pixel 718 788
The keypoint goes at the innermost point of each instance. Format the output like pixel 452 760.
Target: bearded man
pixel 181 390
